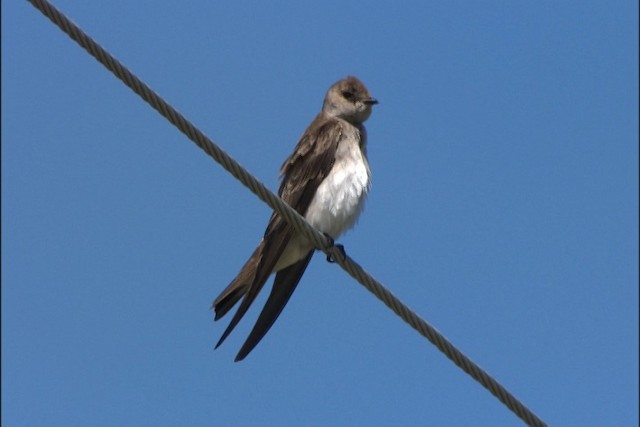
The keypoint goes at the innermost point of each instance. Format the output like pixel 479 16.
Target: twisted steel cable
pixel 301 225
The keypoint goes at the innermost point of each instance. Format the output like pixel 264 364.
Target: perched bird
pixel 326 180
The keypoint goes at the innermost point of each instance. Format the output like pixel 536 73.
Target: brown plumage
pixel 347 104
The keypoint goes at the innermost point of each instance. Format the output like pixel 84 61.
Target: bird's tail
pixel 239 286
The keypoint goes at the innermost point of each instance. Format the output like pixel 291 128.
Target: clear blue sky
pixel 504 208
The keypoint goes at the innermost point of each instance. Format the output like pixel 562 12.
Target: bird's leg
pixel 333 245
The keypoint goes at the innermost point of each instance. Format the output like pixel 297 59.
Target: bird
pixel 326 180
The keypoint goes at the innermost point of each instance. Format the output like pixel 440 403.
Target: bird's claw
pixel 343 254
pixel 333 245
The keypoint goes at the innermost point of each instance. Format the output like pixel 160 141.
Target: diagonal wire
pixel 300 224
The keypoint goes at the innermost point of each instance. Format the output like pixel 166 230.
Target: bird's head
pixel 350 100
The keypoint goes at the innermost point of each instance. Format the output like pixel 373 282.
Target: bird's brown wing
pixel 283 286
pixel 302 173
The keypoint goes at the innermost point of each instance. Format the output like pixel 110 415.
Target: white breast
pixel 340 198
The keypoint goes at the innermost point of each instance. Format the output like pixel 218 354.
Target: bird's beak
pixel 370 101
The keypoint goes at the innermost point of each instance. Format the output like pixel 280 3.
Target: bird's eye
pixel 347 94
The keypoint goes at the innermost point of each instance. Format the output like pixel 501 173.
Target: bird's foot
pixel 332 244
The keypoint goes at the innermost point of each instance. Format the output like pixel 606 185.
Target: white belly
pixel 338 201
pixel 340 198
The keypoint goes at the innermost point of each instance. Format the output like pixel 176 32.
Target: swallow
pixel 326 180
